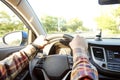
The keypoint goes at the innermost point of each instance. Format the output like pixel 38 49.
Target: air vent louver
pixel 98 53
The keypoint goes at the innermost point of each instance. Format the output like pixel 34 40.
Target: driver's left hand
pixel 40 42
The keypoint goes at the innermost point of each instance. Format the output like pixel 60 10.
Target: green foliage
pixel 59 24
pixel 110 22
pixel 50 23
pixel 107 23
pixel 74 24
pixel 116 12
pixel 9 23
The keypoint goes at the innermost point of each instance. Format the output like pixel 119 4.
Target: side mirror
pixel 17 38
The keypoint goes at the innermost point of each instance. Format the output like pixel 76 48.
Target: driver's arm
pixel 82 68
pixel 12 65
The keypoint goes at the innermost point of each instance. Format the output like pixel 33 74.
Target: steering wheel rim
pixel 64 39
pixel 56 59
pixel 50 38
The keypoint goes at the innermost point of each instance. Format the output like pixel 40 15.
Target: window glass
pixel 84 17
pixel 9 23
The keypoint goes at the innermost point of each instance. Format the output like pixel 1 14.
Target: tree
pixel 107 23
pixel 59 24
pixel 74 24
pixel 9 23
pixel 116 12
pixel 50 23
pixel 110 22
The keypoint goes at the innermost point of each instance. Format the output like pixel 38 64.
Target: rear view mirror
pixel 18 38
pixel 106 2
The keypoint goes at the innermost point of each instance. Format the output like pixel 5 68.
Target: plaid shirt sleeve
pixel 11 66
pixel 83 69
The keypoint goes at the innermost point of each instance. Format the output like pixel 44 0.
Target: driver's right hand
pixel 79 46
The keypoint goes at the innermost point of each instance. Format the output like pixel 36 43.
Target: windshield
pixel 84 17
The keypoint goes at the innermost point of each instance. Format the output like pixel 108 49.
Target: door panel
pixel 5 52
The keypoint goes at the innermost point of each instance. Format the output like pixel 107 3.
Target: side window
pixel 12 30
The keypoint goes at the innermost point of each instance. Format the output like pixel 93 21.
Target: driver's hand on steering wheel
pixel 40 42
pixel 79 46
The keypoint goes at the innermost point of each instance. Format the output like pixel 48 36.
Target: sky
pixel 65 7
pixel 86 10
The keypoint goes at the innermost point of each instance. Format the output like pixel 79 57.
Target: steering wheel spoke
pixel 57 66
pixel 70 61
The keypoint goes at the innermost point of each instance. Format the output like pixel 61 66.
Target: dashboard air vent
pixel 98 53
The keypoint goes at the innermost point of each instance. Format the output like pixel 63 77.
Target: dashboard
pixel 105 55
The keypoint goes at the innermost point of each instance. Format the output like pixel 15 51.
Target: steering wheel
pixel 52 67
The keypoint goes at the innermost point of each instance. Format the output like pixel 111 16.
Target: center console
pixel 113 60
pixel 106 58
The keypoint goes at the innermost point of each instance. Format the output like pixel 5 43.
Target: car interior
pixel 55 61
